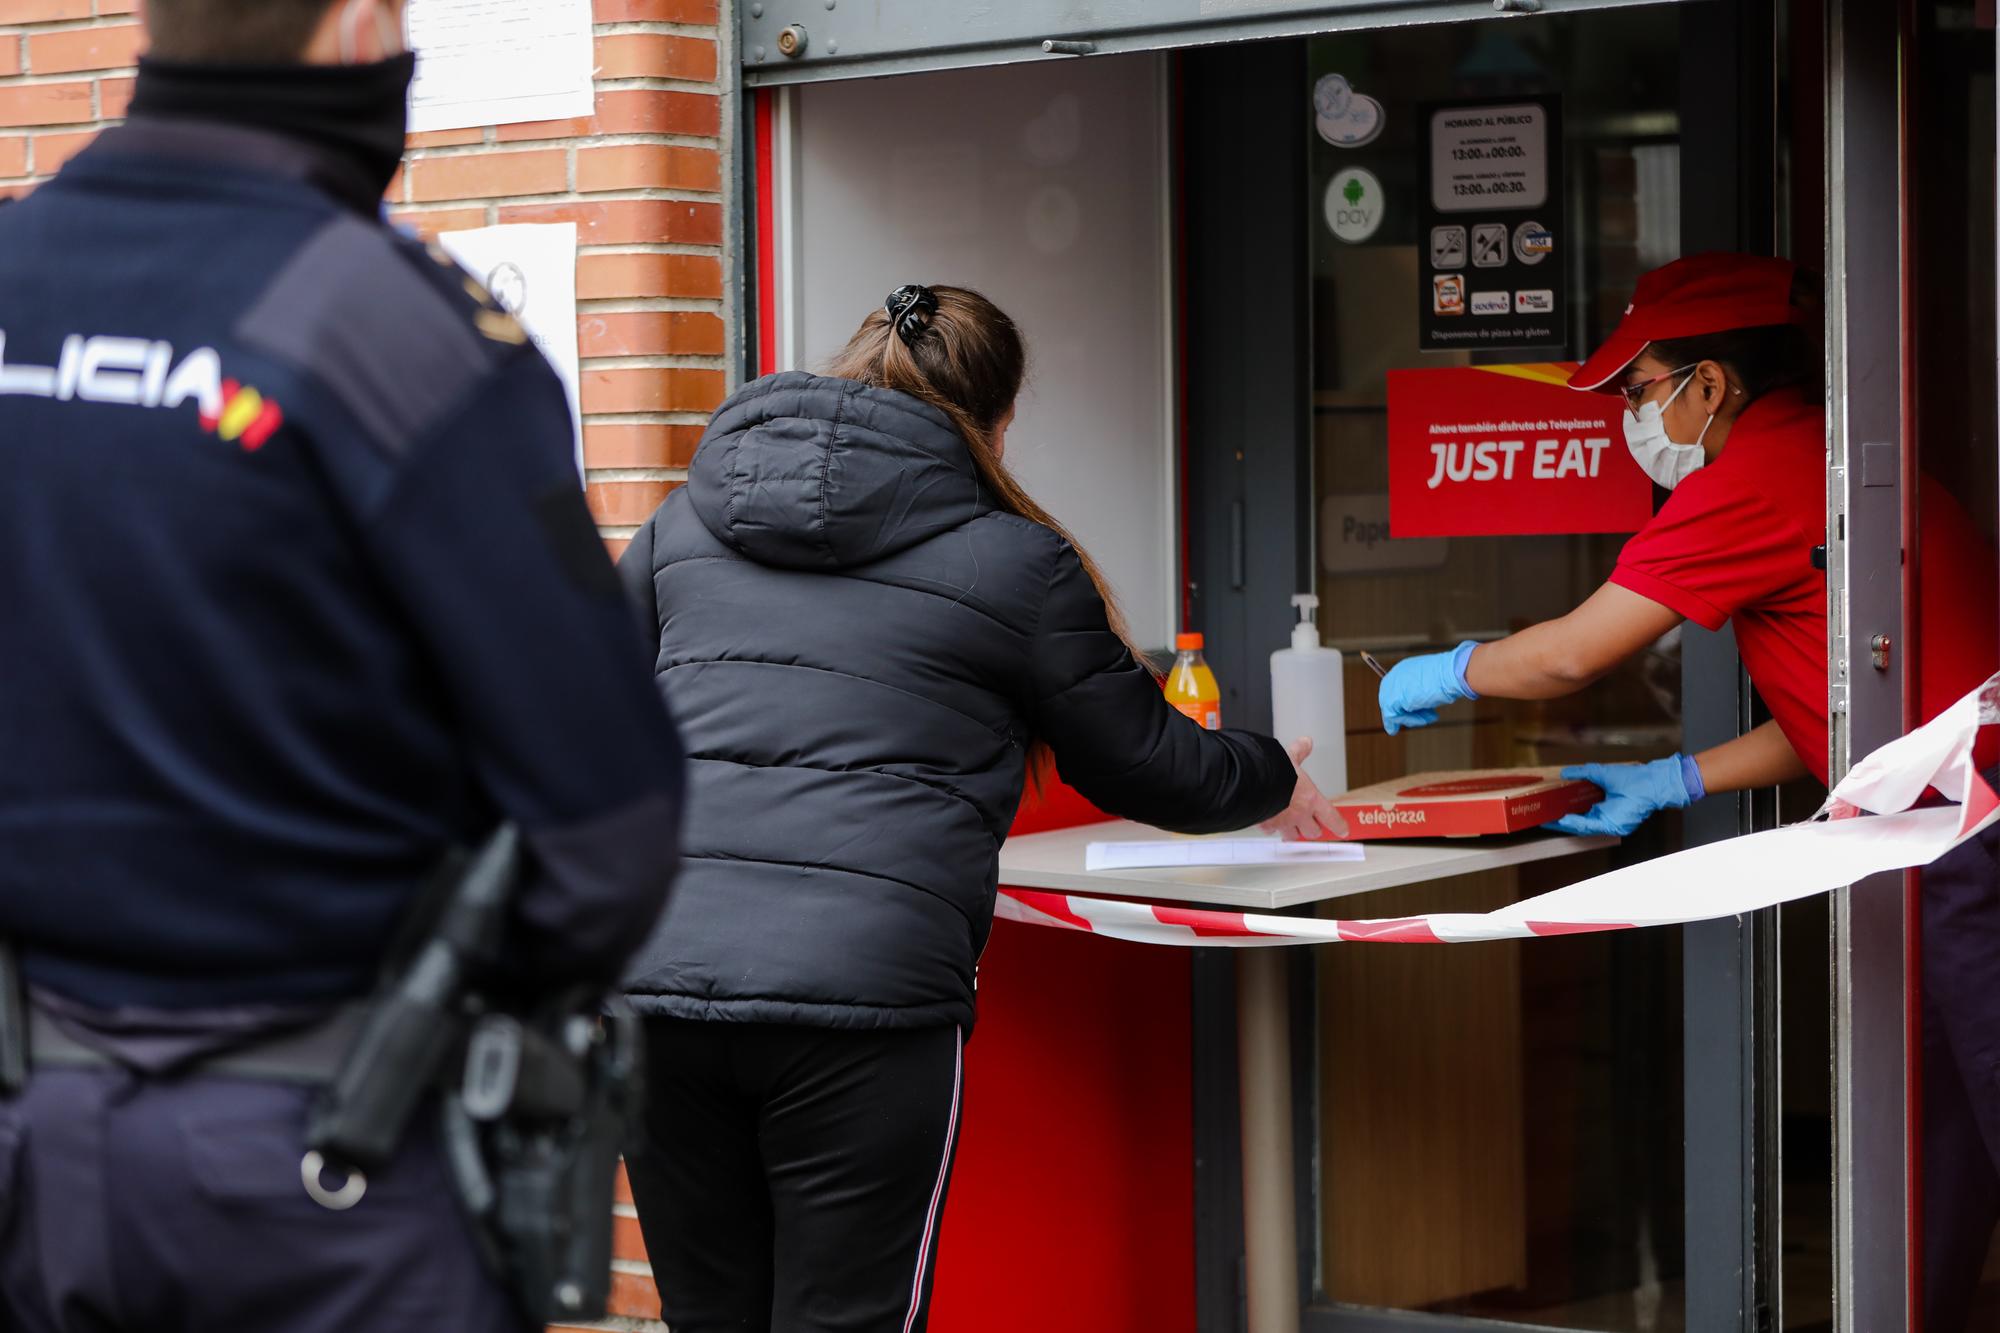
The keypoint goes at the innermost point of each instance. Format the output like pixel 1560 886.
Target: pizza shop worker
pixel 1718 360
pixel 298 591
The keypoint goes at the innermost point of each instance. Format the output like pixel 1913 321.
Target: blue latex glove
pixel 1632 793
pixel 1417 687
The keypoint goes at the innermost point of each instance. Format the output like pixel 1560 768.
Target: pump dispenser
pixel 1308 698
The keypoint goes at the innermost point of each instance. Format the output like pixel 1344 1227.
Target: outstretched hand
pixel 1417 687
pixel 1311 816
pixel 1633 793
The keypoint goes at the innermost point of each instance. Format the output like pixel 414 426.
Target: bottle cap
pixel 1187 643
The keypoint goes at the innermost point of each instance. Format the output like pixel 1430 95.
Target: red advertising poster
pixel 1489 451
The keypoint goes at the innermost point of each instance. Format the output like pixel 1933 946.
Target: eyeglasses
pixel 1636 393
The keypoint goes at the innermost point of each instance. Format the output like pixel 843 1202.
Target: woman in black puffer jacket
pixel 868 633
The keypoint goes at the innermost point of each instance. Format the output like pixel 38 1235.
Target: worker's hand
pixel 1632 793
pixel 1310 817
pixel 1417 687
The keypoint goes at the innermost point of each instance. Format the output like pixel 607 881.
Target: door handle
pixel 1237 559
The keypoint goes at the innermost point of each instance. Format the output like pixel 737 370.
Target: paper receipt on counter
pixel 1215 852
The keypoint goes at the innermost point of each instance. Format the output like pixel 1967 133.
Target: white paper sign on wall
pixel 500 62
pixel 530 269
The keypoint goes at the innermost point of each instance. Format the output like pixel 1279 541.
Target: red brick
pixel 629 221
pixel 117 6
pixel 445 138
pixel 13 155
pixel 52 150
pixel 46 104
pixel 621 1185
pixel 15 191
pixel 114 97
pixel 649 111
pixel 634 1297
pixel 656 11
pixel 639 446
pixel 622 503
pixel 523 131
pixel 631 111
pixel 646 55
pixel 113 47
pixel 650 333
pixel 430 223
pixel 613 547
pixel 10 55
pixel 46 11
pixel 488 175
pixel 647 167
pixel 650 389
pixel 612 277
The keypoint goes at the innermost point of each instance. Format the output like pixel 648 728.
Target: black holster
pixel 532 1142
pixel 535 1092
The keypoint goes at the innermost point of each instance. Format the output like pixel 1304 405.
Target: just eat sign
pixel 1484 451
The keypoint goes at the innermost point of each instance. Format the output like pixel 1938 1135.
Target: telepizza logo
pixel 138 372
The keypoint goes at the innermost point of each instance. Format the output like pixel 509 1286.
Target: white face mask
pixel 1668 463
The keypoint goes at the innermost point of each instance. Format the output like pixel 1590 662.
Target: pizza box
pixel 1464 804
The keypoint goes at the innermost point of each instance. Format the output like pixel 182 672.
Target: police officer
pixel 297 591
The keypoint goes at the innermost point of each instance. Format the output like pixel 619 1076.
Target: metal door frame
pixel 1238 466
pixel 803 41
pixel 1248 388
pixel 1729 125
pixel 1872 932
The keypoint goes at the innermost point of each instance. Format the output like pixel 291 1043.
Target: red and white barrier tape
pixel 1866 827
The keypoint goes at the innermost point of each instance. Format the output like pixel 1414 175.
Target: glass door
pixel 1500 1128
pixel 1575 1133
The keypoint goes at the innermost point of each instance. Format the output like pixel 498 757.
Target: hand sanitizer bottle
pixel 1308 699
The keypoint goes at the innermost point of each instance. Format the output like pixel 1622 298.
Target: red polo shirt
pixel 1734 543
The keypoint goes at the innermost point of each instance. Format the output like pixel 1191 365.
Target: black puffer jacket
pixel 858 647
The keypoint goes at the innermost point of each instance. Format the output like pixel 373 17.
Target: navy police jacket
pixel 297 591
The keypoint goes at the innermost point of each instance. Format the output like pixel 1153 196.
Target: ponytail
pixel 960 353
pixel 957 351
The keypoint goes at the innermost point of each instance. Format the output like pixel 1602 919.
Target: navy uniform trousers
pixel 1961 1112
pixel 138 1205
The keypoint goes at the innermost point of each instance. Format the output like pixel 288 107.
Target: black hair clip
pixel 910 309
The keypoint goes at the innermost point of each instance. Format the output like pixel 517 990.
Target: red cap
pixel 1187 643
pixel 1709 293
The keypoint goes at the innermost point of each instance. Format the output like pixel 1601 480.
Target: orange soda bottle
pixel 1191 686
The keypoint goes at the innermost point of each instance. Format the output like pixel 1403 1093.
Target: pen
pixel 1369 659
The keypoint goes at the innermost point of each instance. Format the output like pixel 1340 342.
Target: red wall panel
pixel 1072 1202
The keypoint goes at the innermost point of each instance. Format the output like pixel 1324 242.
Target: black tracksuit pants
pixel 794 1178
pixel 1961 1104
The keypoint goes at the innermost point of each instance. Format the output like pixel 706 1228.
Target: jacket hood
pixel 805 472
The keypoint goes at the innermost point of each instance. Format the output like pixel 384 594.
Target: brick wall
pixel 644 179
